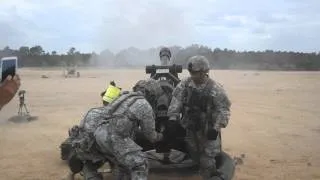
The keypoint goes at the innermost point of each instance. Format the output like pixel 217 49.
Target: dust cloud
pixel 134 31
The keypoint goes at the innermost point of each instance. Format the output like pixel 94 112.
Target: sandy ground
pixel 274 122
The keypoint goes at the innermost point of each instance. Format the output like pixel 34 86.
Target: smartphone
pixel 8 67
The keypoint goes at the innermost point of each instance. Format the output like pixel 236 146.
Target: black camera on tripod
pixel 22 103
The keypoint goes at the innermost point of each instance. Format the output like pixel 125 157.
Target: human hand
pixel 8 89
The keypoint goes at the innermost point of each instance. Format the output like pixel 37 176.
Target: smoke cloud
pixel 144 25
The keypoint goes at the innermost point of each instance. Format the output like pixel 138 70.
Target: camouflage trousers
pixel 203 152
pixel 127 156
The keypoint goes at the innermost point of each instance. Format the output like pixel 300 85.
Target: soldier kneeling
pixel 106 133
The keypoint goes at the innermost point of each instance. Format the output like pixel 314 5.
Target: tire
pixel 225 165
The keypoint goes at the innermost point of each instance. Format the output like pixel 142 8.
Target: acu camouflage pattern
pixel 151 89
pixel 124 114
pixel 113 128
pixel 220 101
pixel 150 86
pixel 202 150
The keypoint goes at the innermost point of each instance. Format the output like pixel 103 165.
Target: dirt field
pixel 275 122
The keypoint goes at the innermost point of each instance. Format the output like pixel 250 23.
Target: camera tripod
pixel 22 103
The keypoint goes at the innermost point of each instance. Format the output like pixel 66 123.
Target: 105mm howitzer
pixel 174 152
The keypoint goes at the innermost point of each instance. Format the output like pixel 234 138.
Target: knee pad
pixel 140 172
pixel 133 160
pixel 141 167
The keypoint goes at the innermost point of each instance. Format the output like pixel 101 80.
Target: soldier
pixel 108 132
pixel 205 109
pixel 111 93
pixel 165 55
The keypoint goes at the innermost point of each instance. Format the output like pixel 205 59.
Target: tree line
pixel 133 57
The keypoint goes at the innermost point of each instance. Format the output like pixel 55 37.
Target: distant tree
pixel 219 58
pixel 36 51
pixel 6 49
pixel 71 51
pixel 24 51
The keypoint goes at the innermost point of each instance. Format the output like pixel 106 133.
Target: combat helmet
pixel 151 89
pixel 198 64
pixel 165 52
pixel 149 86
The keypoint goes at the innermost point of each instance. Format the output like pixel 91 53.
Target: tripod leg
pixel 25 107
pixel 20 110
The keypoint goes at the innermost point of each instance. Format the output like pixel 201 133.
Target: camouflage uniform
pixel 113 128
pixel 202 150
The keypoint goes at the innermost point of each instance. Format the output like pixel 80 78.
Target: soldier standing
pixel 205 109
pixel 111 128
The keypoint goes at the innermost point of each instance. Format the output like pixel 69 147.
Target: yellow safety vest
pixel 111 93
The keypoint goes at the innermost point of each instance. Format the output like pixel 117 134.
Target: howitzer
pixel 168 79
pixel 166 73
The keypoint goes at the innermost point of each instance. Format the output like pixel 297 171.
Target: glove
pixel 212 134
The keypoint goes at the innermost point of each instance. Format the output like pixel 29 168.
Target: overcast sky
pixel 116 24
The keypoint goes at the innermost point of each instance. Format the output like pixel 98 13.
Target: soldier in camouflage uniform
pixel 205 109
pixel 112 129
